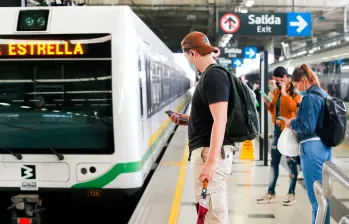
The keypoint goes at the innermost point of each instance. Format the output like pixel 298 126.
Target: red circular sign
pixel 229 23
pixel 216 55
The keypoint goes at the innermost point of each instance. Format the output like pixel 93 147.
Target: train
pixel 330 64
pixel 83 101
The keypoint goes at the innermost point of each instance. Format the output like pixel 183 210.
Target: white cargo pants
pixel 217 188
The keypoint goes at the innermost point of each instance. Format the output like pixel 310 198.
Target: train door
pixel 141 78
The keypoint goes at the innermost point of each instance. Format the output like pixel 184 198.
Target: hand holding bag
pixel 288 144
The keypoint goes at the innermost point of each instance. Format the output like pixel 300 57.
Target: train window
pixel 166 86
pixel 140 84
pixel 147 74
pixel 63 105
pixel 163 85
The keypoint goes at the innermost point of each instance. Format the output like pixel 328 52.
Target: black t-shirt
pixel 216 86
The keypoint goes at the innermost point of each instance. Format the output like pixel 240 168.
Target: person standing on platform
pixel 210 152
pixel 284 104
pixel 310 116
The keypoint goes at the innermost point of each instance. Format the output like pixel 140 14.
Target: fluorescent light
pixel 243 10
pixel 5 104
pixel 26 107
pixel 249 3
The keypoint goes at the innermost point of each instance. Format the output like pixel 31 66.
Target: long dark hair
pixel 292 90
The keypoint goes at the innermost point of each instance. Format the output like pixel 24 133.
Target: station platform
pixel 169 197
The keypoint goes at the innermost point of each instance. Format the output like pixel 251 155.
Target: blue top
pixel 310 114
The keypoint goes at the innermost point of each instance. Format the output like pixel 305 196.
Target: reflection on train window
pixel 163 85
pixel 334 77
pixel 64 105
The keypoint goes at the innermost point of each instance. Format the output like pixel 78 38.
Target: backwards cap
pixel 199 42
pixel 280 72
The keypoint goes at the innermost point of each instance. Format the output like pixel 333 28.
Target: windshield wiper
pixel 18 156
pixel 59 156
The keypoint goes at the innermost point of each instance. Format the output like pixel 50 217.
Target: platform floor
pixel 249 180
pixel 169 198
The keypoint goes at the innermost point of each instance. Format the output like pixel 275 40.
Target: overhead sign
pixel 299 24
pixel 231 52
pixel 224 61
pixel 253 23
pixel 237 62
pixel 271 24
pixel 230 23
pixel 250 52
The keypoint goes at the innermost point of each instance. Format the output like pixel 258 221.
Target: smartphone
pixel 282 118
pixel 265 96
pixel 179 117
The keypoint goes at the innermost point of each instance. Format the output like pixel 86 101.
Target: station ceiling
pixel 171 20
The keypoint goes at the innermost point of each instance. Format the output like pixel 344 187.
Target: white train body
pixel 93 86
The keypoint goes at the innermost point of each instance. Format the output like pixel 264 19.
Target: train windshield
pixel 55 92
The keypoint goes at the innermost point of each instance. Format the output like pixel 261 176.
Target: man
pixel 210 152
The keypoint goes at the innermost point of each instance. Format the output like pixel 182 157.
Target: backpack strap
pixel 318 94
pixel 323 98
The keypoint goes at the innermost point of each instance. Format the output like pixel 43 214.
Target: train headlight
pixel 33 20
pixel 29 21
pixel 41 21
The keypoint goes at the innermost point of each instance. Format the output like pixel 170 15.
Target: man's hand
pixel 207 171
pixel 177 121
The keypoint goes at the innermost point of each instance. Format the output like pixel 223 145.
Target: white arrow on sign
pixel 301 23
pixel 251 53
pixel 237 63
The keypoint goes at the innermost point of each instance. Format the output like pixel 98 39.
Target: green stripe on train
pixel 120 168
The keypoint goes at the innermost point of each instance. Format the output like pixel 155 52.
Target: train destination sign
pixel 52 46
pixel 272 24
pixel 42 48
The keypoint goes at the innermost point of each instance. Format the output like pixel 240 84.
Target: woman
pixel 310 116
pixel 284 104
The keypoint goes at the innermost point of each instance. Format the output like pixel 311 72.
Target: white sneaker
pixel 289 200
pixel 266 199
pixel 300 176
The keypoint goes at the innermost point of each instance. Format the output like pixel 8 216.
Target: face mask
pixel 192 67
pixel 302 93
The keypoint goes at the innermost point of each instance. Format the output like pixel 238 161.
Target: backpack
pixel 334 125
pixel 243 122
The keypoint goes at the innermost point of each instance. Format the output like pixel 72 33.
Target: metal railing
pixel 330 172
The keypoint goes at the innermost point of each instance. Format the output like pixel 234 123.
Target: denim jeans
pixel 313 155
pixel 275 162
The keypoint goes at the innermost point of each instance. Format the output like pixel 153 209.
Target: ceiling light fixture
pixel 243 10
pixel 249 3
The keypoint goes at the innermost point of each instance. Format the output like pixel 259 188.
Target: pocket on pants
pixel 217 191
pixel 217 201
